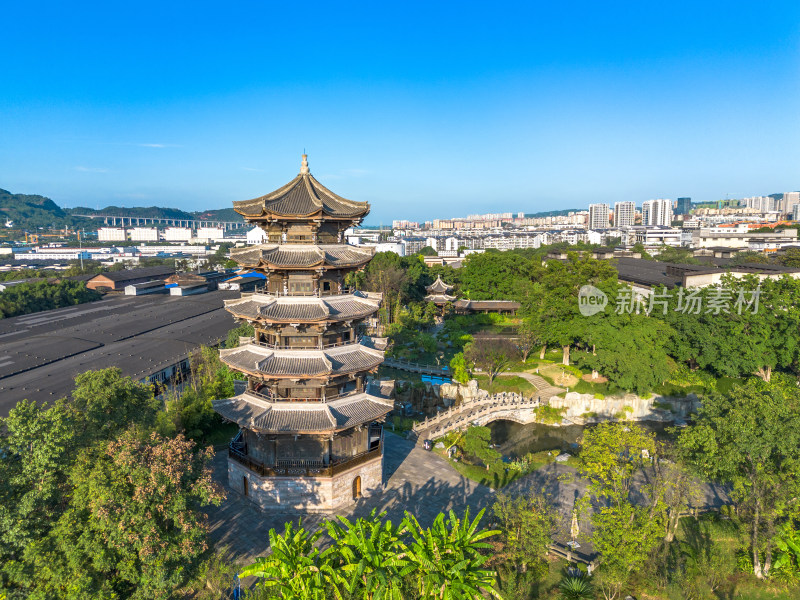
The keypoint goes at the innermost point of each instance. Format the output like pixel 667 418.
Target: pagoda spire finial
pixel 304 165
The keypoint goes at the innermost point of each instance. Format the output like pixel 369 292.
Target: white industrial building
pixel 144 234
pixel 111 234
pixel 177 234
pixel 210 233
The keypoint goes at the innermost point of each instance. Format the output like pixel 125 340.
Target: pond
pixel 517 440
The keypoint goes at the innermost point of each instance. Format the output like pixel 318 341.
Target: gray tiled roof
pixel 439 287
pixel 304 363
pixel 290 309
pixel 257 414
pixel 439 298
pixel 302 196
pixel 302 255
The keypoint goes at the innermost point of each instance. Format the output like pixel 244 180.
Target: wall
pixel 311 494
pixel 640 409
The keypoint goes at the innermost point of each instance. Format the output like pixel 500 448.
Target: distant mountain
pixel 220 214
pixel 158 212
pixel 134 211
pixel 31 211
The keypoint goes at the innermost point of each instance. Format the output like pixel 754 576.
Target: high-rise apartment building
pixel 657 212
pixel 624 214
pixel 683 206
pixel 598 216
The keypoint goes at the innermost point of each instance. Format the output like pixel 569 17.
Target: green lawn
pixel 506 383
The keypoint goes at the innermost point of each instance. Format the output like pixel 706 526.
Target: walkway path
pixel 544 387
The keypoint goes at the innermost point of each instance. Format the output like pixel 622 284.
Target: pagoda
pixel 438 292
pixel 311 433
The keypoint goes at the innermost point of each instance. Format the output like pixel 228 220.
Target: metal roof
pixel 41 353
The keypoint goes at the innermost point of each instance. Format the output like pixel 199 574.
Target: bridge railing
pixel 474 410
pixel 406 365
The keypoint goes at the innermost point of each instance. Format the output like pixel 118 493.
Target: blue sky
pixel 424 109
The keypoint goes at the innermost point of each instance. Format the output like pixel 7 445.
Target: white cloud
pixel 158 145
pixel 91 170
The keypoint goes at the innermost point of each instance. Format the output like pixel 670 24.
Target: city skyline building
pixel 599 216
pixel 657 212
pixel 624 214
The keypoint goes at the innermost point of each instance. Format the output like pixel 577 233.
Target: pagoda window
pixel 300 341
pixel 300 234
pixel 275 284
pixel 301 285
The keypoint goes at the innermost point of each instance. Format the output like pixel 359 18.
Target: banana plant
pixel 294 567
pixel 368 558
pixel 448 558
pixel 787 557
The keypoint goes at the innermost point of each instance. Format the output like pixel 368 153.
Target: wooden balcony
pixel 298 469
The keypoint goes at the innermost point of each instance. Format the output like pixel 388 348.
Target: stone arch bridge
pixel 507 406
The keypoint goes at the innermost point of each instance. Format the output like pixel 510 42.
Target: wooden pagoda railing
pixel 302 470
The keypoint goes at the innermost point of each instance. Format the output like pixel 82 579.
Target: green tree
pixel 492 356
pixel 750 439
pixel 133 527
pixel 623 534
pixel 629 349
pixel 527 524
pixel 459 368
pixel 36 454
pixel 477 444
pixel 110 403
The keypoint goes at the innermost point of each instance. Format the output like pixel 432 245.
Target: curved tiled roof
pixel 439 298
pixel 302 256
pixel 290 309
pixel 260 360
pixel 255 413
pixel 438 287
pixel 303 196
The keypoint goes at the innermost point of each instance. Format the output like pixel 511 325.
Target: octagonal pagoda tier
pixel 261 361
pixel 261 308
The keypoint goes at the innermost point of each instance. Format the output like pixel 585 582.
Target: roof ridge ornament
pixel 304 165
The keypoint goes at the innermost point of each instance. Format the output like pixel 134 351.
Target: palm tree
pixel 368 558
pixel 448 559
pixel 294 567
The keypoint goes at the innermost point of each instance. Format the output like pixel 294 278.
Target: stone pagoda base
pixel 308 493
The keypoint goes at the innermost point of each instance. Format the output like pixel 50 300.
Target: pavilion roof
pixel 290 309
pixel 439 287
pixel 439 299
pixel 254 413
pixel 303 196
pixel 302 256
pixel 271 363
